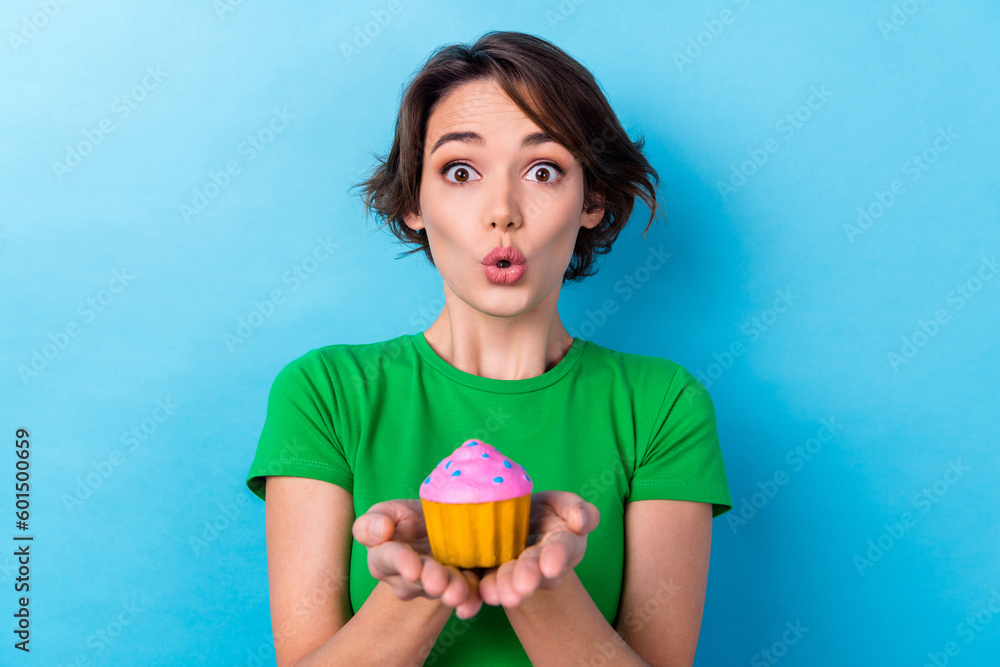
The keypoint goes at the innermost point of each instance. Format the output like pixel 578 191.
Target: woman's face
pixel 490 178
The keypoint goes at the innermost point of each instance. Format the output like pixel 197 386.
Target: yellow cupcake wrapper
pixel 469 535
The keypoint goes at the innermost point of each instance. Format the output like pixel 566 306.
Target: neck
pixel 502 348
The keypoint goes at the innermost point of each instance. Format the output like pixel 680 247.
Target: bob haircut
pixel 566 103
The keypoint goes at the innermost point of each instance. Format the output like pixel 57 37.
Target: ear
pixel 592 215
pixel 413 221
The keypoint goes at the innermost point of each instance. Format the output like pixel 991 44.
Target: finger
pixel 488 588
pixel 385 519
pixel 564 507
pixel 403 589
pixel 373 528
pixel 556 553
pixel 589 517
pixel 434 577
pixel 527 573
pixel 457 589
pixel 581 516
pixel 394 558
pixel 473 603
pixel 505 584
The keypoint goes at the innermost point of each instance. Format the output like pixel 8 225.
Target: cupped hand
pixel 399 554
pixel 557 541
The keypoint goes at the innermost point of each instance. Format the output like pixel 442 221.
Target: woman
pixel 511 172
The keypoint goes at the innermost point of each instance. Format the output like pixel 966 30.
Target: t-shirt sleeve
pixel 298 437
pixel 683 458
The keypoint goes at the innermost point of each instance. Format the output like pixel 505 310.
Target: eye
pixel 545 172
pixel 463 172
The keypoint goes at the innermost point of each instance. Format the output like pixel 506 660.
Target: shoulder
pixel 656 374
pixel 351 353
pixel 343 361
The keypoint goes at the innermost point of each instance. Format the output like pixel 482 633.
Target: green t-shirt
pixel 609 426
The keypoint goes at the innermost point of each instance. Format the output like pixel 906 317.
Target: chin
pixel 506 303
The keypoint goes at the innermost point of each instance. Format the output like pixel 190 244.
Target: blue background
pixel 712 92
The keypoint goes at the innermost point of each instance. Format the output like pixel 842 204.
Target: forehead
pixel 477 105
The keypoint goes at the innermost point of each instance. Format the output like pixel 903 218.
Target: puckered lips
pixel 504 265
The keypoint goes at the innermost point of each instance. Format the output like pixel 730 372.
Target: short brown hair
pixel 566 103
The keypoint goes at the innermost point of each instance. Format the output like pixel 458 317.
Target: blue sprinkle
pixel 456 473
pixel 506 464
pixel 486 456
pixel 447 464
pixel 472 444
pixel 498 479
pixel 427 481
pixel 527 478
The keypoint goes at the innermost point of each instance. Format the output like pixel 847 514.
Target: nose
pixel 509 226
pixel 504 211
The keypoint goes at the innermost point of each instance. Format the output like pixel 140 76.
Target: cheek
pixel 564 207
pixel 557 249
pixel 449 246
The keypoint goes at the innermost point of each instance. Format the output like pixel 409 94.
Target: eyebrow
pixel 533 139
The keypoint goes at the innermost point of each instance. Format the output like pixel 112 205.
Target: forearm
pixel 385 631
pixel 565 627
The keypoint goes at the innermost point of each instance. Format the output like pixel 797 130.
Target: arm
pixel 667 548
pixel 668 543
pixel 309 537
pixel 550 610
pixel 564 627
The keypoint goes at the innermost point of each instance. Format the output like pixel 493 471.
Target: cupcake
pixel 476 506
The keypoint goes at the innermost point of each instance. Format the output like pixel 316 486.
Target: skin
pixel 399 554
pixel 503 193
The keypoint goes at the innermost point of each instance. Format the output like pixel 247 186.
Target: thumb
pixel 373 528
pixel 584 518
pixel 580 515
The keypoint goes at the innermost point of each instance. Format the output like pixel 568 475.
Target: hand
pixel 557 539
pixel 399 554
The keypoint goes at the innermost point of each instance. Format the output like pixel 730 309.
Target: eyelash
pixel 559 170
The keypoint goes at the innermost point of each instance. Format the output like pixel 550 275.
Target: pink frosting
pixel 475 473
